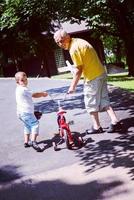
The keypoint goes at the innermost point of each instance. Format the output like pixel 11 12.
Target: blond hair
pixel 18 75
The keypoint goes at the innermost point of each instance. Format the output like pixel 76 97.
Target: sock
pixel 114 122
pixel 96 128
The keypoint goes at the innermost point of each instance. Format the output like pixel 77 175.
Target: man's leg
pixel 112 115
pixel 96 124
pixel 105 105
pixel 95 120
pixel 92 99
pixel 115 124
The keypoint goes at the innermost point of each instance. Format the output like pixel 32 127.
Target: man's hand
pixel 71 90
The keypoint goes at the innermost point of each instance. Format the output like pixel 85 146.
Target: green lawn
pixel 122 81
pixel 66 75
pixel 119 80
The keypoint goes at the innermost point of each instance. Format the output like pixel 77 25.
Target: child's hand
pixel 44 94
pixel 39 94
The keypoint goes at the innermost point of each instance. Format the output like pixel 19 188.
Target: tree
pixel 21 25
pixel 114 50
pixel 105 17
pixel 22 21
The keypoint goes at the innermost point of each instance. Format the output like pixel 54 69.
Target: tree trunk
pixel 130 57
pixel 126 30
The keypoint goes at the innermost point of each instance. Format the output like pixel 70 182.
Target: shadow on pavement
pixel 95 155
pixel 127 123
pixel 117 152
pixel 120 100
pixel 71 102
pixel 58 190
pixel 9 173
pixel 57 140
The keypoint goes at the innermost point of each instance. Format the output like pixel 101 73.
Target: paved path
pixel 102 169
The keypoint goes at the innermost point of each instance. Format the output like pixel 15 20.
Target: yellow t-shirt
pixel 84 55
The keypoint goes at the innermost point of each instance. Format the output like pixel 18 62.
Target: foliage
pixel 23 21
pixel 21 25
pixel 108 18
pixel 114 49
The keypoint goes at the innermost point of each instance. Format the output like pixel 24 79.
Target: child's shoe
pixel 26 145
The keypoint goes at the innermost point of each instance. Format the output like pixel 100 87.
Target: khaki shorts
pixel 96 94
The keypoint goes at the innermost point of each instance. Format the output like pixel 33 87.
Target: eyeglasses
pixel 61 41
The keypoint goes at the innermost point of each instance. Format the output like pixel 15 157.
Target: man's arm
pixel 75 80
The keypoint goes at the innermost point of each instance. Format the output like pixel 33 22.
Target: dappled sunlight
pixel 115 153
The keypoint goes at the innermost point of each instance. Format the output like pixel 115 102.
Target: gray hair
pixel 60 34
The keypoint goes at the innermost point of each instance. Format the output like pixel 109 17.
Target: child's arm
pixel 39 94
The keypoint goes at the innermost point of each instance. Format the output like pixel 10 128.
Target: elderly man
pixel 87 62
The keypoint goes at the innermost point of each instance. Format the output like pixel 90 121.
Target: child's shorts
pixel 31 124
pixel 96 94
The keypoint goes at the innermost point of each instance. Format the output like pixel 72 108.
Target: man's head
pixel 21 78
pixel 62 38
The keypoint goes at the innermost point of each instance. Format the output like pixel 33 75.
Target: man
pixel 87 62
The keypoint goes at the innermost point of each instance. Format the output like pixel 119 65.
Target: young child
pixel 25 110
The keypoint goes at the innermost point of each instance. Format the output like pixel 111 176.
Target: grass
pixel 122 80
pixel 65 75
pixel 119 80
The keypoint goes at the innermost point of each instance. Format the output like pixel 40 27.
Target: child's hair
pixel 18 74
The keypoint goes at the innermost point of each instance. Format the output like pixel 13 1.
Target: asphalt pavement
pixel 102 169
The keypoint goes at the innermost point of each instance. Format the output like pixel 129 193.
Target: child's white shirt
pixel 24 100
